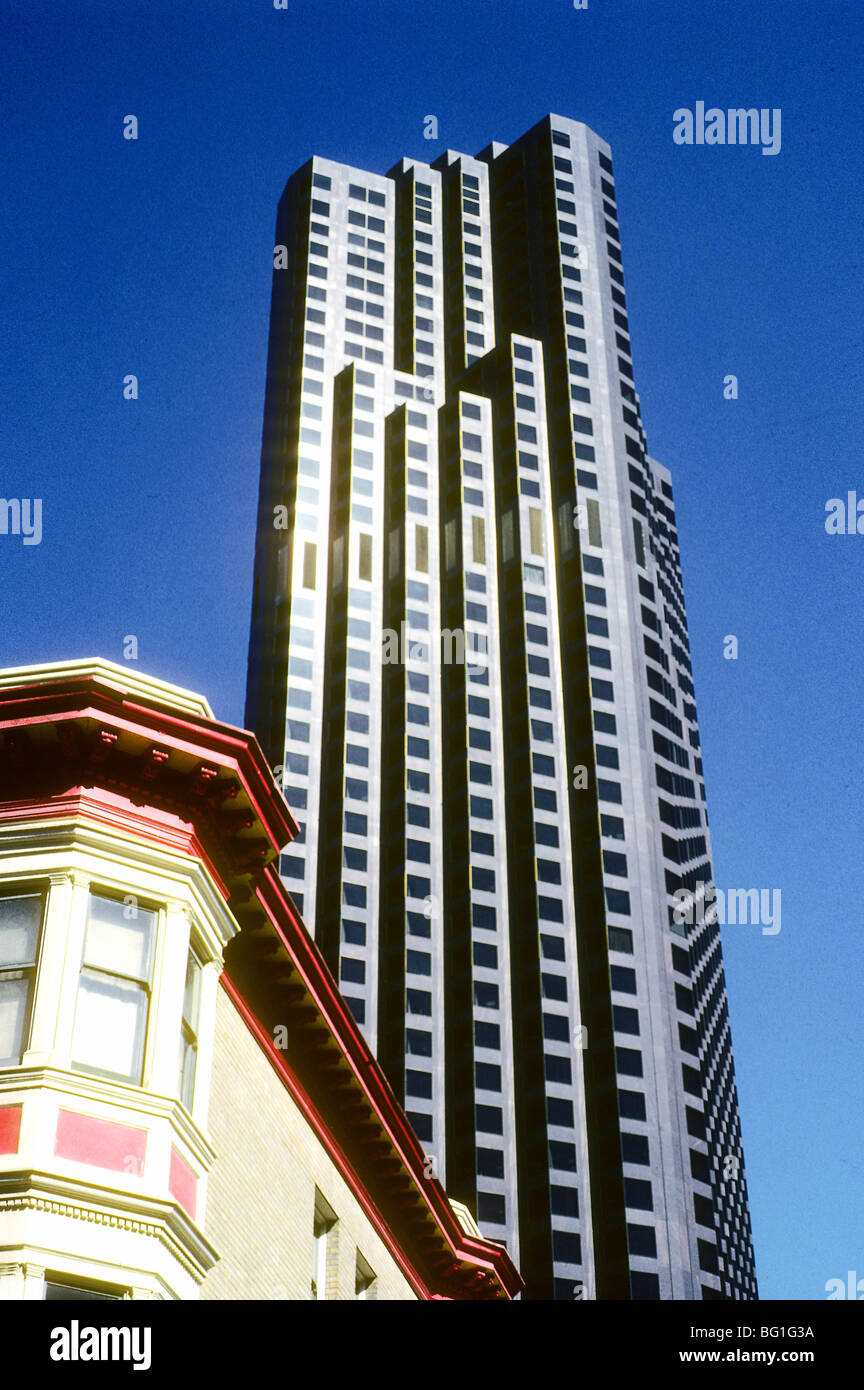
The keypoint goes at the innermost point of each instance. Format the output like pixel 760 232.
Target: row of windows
pixel 325 1240
pixel 114 988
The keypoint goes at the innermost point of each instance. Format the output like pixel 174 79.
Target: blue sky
pixel 154 257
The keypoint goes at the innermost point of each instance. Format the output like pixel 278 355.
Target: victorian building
pixel 187 1107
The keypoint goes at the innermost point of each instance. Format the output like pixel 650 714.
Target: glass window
pixel 478 537
pixel 114 990
pixel 20 920
pixel 364 1274
pixel 189 1029
pixel 418 1043
pixel 492 1208
pixel 364 567
pixel 323 1223
pixel 490 1163
pixel 60 1290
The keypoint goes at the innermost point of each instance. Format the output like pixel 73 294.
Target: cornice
pixel 17 1082
pixel 70 829
pixel 103 1206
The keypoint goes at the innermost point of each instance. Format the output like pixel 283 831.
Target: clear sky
pixel 154 257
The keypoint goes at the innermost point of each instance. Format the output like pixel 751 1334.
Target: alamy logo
pixel 22 517
pixel 732 127
pixel 852 1288
pixel 77 1343
pixel 449 647
pixel 845 518
pixel 734 906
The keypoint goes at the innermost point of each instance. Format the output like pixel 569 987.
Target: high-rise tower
pixel 469 653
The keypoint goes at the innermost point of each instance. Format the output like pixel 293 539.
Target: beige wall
pixel 261 1197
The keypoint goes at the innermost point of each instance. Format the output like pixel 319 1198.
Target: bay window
pixel 20 922
pixel 189 1029
pixel 114 990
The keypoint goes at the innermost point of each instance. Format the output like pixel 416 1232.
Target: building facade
pixel 469 665
pixel 187 1109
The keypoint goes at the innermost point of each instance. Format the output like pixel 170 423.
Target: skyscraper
pixel 469 655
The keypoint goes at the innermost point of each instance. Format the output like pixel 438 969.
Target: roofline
pixel 87 723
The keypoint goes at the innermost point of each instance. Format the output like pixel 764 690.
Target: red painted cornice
pixel 80 745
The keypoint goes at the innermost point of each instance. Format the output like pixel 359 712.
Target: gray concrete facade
pixel 453 454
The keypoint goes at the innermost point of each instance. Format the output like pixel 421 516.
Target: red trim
pixel 10 1128
pixel 112 812
pixel 100 1143
pixel 96 697
pixel 199 823
pixel 337 1017
pixel 183 1183
pixel 324 1135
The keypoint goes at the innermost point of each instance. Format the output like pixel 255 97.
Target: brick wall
pixel 261 1193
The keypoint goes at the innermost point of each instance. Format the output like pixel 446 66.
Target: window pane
pixel 110 1021
pixel 19 930
pixel 116 944
pixel 13 1014
pixel 192 992
pixel 71 1292
pixel 188 1065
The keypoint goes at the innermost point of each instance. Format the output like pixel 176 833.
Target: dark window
pixel 485 995
pixel 352 970
pixel 566 1247
pixel 557 1069
pixel 486 1034
pixel 490 1163
pixel 634 1149
pixel 554 987
pixel 552 947
pixel 703 1211
pixel 418 1043
pixel 419 1002
pixel 550 909
pixel 489 1119
pixel 418 963
pixel 692 1079
pixel 418 1083
pixel 644 1286
pixel 699 1166
pixel 487 1076
pixel 707 1256
pixel 641 1240
pixel 57 1290
pixel 637 1194
pixel 631 1105
pixel 628 1061
pixel 421 1124
pixel 483 917
pixel 556 1028
pixel 620 939
pixel 618 901
pixel 695 1123
pixel 559 1112
pixel 357 1007
pixel 491 1207
pixel 562 1156
pixel 623 979
pixel 625 1020
pixel 563 1201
